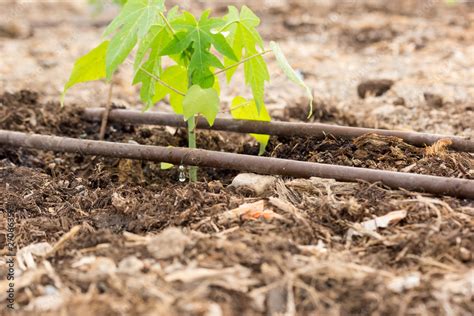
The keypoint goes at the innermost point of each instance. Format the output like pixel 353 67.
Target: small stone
pixel 374 88
pixel 130 265
pixel 102 267
pixel 168 244
pixel 465 254
pixel 433 100
pixel 50 290
pixel 399 101
pixel 258 183
pixel 277 298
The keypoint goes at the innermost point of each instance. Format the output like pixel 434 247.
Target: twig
pixel 105 115
pixel 65 238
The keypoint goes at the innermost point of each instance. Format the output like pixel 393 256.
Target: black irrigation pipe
pixel 276 128
pixel 204 158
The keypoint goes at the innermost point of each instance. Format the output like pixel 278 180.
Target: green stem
pixel 192 144
pixel 173 31
pixel 226 26
pixel 161 81
pixel 241 62
pixel 168 24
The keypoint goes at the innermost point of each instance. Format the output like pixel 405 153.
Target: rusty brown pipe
pixel 276 128
pixel 205 158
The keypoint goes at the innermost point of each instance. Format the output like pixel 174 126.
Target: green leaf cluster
pixel 179 56
pixel 195 39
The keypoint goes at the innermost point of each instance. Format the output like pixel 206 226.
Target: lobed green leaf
pixel 197 37
pixel 243 109
pixel 138 15
pixel 133 23
pixel 201 101
pixel 152 44
pixel 256 73
pixel 89 67
pixel 246 42
pixel 291 73
pixel 176 77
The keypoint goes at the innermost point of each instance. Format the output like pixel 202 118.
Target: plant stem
pixel 226 26
pixel 105 116
pixel 161 81
pixel 168 24
pixel 192 144
pixel 241 62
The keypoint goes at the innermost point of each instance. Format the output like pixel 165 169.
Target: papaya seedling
pixel 199 49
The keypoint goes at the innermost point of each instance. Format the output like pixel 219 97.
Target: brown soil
pixel 105 217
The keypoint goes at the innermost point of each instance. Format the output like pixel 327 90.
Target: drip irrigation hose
pixel 205 158
pixel 289 129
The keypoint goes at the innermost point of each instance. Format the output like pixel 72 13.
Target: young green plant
pixel 180 56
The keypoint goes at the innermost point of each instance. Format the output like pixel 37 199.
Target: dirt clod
pixel 399 101
pixel 168 244
pixel 15 29
pixel 374 87
pixel 433 100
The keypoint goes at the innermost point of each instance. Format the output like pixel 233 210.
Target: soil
pixel 105 218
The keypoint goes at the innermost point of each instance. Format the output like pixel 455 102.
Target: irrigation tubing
pixel 276 128
pixel 205 158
